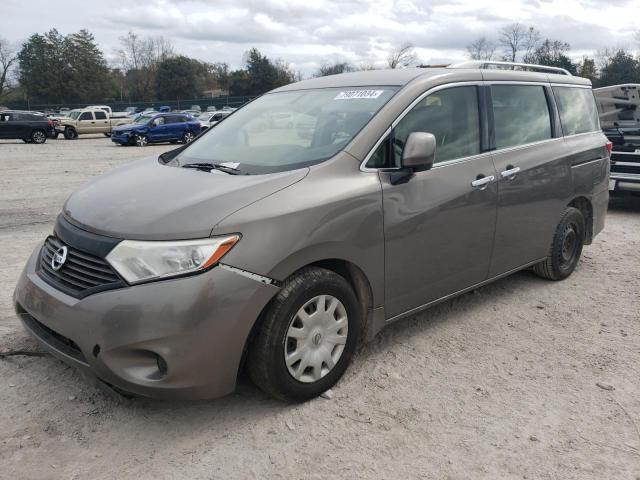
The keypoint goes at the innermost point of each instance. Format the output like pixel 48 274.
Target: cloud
pixel 307 33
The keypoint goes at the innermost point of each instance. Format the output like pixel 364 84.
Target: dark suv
pixel 28 126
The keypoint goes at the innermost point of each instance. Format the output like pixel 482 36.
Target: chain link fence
pixel 119 106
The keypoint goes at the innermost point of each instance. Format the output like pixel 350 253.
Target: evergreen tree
pixel 621 68
pixel 177 78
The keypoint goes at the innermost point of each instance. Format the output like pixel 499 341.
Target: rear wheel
pixel 188 137
pixel 38 136
pixel 307 336
pixel 141 140
pixel 566 247
pixel 70 133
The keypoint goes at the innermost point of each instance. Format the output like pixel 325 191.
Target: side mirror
pixel 419 151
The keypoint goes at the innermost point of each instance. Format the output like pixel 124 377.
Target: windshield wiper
pixel 207 167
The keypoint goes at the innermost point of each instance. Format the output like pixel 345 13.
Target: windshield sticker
pixel 353 94
pixel 230 164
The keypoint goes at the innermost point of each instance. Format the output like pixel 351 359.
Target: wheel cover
pixel 316 338
pixel 569 244
pixel 141 140
pixel 38 137
pixel 188 137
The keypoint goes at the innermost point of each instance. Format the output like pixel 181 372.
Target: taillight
pixel 609 147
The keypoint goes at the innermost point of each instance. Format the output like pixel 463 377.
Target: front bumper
pixel 122 139
pixel 196 325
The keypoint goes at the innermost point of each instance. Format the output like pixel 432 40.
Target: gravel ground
pixel 499 383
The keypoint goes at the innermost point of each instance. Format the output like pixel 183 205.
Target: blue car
pixel 157 128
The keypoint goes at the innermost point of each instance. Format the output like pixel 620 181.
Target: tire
pixel 39 137
pixel 188 137
pixel 70 133
pixel 141 140
pixel 334 339
pixel 566 247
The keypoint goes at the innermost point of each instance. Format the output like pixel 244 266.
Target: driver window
pixel 451 115
pixel 158 121
pixel 86 116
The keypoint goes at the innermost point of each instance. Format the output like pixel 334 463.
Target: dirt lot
pixel 500 383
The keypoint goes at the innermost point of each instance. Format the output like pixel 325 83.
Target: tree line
pixel 65 69
pixel 54 68
pixel 520 43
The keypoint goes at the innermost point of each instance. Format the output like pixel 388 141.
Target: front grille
pixel 81 274
pixel 51 337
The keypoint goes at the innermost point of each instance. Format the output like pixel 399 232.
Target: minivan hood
pixel 146 200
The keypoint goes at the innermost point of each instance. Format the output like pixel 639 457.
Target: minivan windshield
pixel 287 130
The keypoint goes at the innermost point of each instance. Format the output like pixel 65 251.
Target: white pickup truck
pixel 88 120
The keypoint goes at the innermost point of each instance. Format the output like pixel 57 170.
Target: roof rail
pixel 485 64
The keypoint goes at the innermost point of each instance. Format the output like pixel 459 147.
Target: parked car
pixel 88 120
pixel 619 110
pixel 209 119
pixel 164 109
pixel 110 112
pixel 193 113
pixel 257 248
pixel 195 108
pixel 63 111
pixel 28 126
pixel 157 128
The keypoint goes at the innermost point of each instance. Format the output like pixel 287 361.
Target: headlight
pixel 142 261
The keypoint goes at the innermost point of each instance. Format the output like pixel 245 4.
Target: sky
pixel 307 34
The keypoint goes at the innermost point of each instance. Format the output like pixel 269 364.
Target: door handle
pixel 482 182
pixel 510 172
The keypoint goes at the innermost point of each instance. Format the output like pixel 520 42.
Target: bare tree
pixel 8 58
pixel 139 58
pixel 403 56
pixel 603 57
pixel 481 49
pixel 333 69
pixel 516 38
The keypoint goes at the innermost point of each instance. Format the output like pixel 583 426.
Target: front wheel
pixel 566 247
pixel 188 137
pixel 306 337
pixel 70 133
pixel 141 140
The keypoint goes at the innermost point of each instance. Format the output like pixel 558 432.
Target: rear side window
pixel 451 115
pixel 101 115
pixel 521 115
pixel 578 112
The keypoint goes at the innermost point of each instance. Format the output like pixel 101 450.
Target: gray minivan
pixel 277 246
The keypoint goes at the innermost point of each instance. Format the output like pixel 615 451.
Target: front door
pixel 439 225
pixel 86 123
